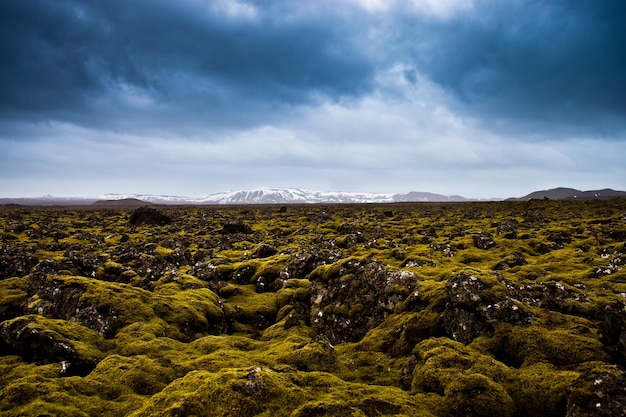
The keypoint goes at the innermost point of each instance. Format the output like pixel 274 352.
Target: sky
pixel 479 98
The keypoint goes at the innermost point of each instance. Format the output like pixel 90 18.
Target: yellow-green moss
pixel 540 389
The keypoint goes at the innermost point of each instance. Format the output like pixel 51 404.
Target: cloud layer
pixel 481 98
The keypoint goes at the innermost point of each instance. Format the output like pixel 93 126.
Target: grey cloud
pixel 75 61
pixel 534 65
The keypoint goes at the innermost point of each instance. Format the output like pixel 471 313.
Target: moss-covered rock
pixel 492 308
pixel 13 298
pixel 101 306
pixel 599 391
pixel 75 348
pixel 355 296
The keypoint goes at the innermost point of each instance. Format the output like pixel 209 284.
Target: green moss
pixel 13 297
pixel 477 395
pixel 121 304
pixel 164 253
pixel 143 375
pixel 194 312
pixel 172 282
pixel 440 361
pixel 293 290
pixel 43 335
pixel 251 308
pixel 524 346
pixel 110 271
pixel 38 390
pixel 540 389
pixel 180 349
pixel 314 356
pixel 264 392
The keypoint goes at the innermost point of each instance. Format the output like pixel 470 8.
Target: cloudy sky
pixel 482 98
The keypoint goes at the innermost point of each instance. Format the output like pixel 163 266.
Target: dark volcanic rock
pixel 484 240
pixel 233 227
pixel 148 216
pixel 15 262
pixel 612 330
pixel 476 307
pixel 507 228
pixel 510 261
pixel 33 338
pixel 349 298
pixel 264 251
pixel 63 297
pixel 305 262
pixel 598 393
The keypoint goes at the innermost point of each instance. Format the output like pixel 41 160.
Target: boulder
pixel 484 240
pixel 351 297
pixel 44 341
pixel 15 262
pixel 598 393
pixel 148 216
pixel 238 226
pixel 476 305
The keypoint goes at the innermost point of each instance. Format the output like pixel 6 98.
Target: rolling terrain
pixel 513 308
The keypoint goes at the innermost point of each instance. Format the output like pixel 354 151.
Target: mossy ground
pixel 186 319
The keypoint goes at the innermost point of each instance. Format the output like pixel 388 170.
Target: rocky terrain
pixel 416 309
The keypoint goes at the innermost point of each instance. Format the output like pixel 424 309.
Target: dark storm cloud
pixel 549 68
pixel 555 66
pixel 124 62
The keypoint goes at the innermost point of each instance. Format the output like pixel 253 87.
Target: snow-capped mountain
pixel 150 198
pixel 292 195
pixel 287 196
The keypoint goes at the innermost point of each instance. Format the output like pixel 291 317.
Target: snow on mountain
pixel 286 196
pixel 292 195
pixel 150 198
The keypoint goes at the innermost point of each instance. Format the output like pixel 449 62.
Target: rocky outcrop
pixel 233 227
pixel 15 262
pixel 46 341
pixel 148 216
pixel 477 305
pixel 352 297
pixel 598 393
pixel 435 309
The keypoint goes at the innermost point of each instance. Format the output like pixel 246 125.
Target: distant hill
pixel 562 193
pixel 421 196
pixel 123 202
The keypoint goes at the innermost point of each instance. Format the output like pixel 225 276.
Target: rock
pixel 254 384
pixel 46 341
pixel 560 237
pixel 598 393
pixel 507 228
pixel 15 262
pixel 475 308
pixel 484 240
pixel 98 305
pixel 510 261
pixel 355 296
pixel 264 251
pixel 148 216
pixel 233 227
pixel 303 263
pixel 557 296
pixel 612 330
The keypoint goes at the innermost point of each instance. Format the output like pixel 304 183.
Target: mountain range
pixel 289 196
pixel 562 193
pixel 300 196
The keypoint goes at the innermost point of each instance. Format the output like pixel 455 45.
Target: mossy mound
pixel 487 309
pixel 266 392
